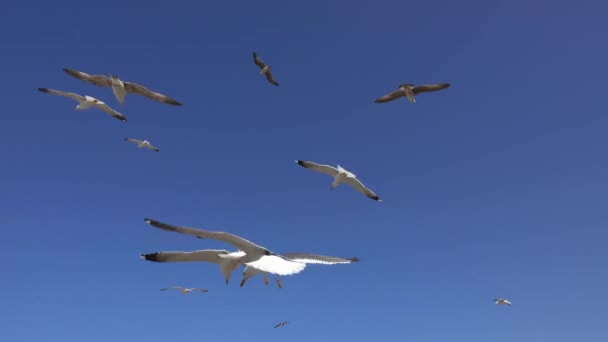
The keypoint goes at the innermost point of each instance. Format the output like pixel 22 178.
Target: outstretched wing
pixel 424 88
pixel 203 255
pixel 357 185
pixel 326 169
pixel 141 90
pixel 72 96
pixel 271 79
pixel 137 141
pixel 172 288
pixel 258 61
pixel 277 264
pixel 391 96
pixel 319 259
pixel 98 80
pixel 111 111
pixel 245 245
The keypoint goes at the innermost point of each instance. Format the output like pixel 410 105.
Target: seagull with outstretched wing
pixel 184 290
pixel 306 258
pixel 85 102
pixel 227 261
pixel 340 176
pixel 143 143
pixel 410 91
pixel 264 69
pixel 121 88
pixel 502 301
pixel 255 256
pixel 281 324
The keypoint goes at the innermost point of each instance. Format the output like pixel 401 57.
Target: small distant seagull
pixel 502 301
pixel 340 175
pixel 184 290
pixel 121 88
pixel 254 255
pixel 143 143
pixel 86 102
pixel 265 69
pixel 306 258
pixel 409 90
pixel 280 324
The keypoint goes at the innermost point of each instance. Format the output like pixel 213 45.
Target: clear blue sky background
pixel 494 187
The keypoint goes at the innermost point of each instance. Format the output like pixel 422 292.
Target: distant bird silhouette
pixel 265 69
pixel 143 143
pixel 409 90
pixel 280 324
pixel 501 301
pixel 184 290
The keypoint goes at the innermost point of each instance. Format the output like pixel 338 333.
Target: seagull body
pixel 305 258
pixel 409 90
pixel 340 176
pixel 85 102
pixel 255 256
pixel 280 324
pixel 121 88
pixel 502 301
pixel 264 69
pixel 184 290
pixel 227 261
pixel 143 143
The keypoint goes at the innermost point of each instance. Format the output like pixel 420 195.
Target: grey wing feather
pixel 326 169
pixel 319 259
pixel 141 90
pixel 270 78
pixel 137 141
pixel 111 111
pixel 429 87
pixel 98 80
pixel 357 185
pixel 258 61
pixel 236 241
pixel 203 255
pixel 390 97
pixel 72 96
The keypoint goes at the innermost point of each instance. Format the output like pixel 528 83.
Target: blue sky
pixel 494 187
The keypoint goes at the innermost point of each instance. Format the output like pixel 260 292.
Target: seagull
pixel 144 143
pixel 85 102
pixel 265 69
pixel 227 261
pixel 502 301
pixel 120 88
pixel 409 90
pixel 340 175
pixel 280 324
pixel 184 290
pixel 255 256
pixel 306 258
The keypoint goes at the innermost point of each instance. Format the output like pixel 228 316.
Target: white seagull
pixel 85 102
pixel 264 69
pixel 255 256
pixel 227 261
pixel 121 88
pixel 340 175
pixel 143 143
pixel 305 258
pixel 184 290
pixel 501 301
pixel 410 91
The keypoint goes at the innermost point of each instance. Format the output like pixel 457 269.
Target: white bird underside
pixel 277 265
pixel 145 144
pixel 85 102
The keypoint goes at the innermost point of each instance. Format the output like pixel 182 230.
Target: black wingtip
pixel 300 162
pixel 355 259
pixel 376 198
pixel 148 221
pixel 44 90
pixel 126 139
pixel 150 256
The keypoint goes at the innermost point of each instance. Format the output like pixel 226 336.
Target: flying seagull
pixel 501 301
pixel 409 90
pixel 143 143
pixel 184 290
pixel 227 261
pixel 280 324
pixel 306 258
pixel 121 88
pixel 85 102
pixel 340 175
pixel 264 69
pixel 255 256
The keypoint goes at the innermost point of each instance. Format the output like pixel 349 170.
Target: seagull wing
pixel 111 111
pixel 357 185
pixel 391 96
pixel 141 90
pixel 270 79
pixel 326 169
pixel 151 147
pixel 172 288
pixel 424 88
pixel 137 141
pixel 245 245
pixel 203 255
pixel 258 61
pixel 72 96
pixel 277 264
pixel 319 259
pixel 98 80
pixel 199 290
pixel 278 325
